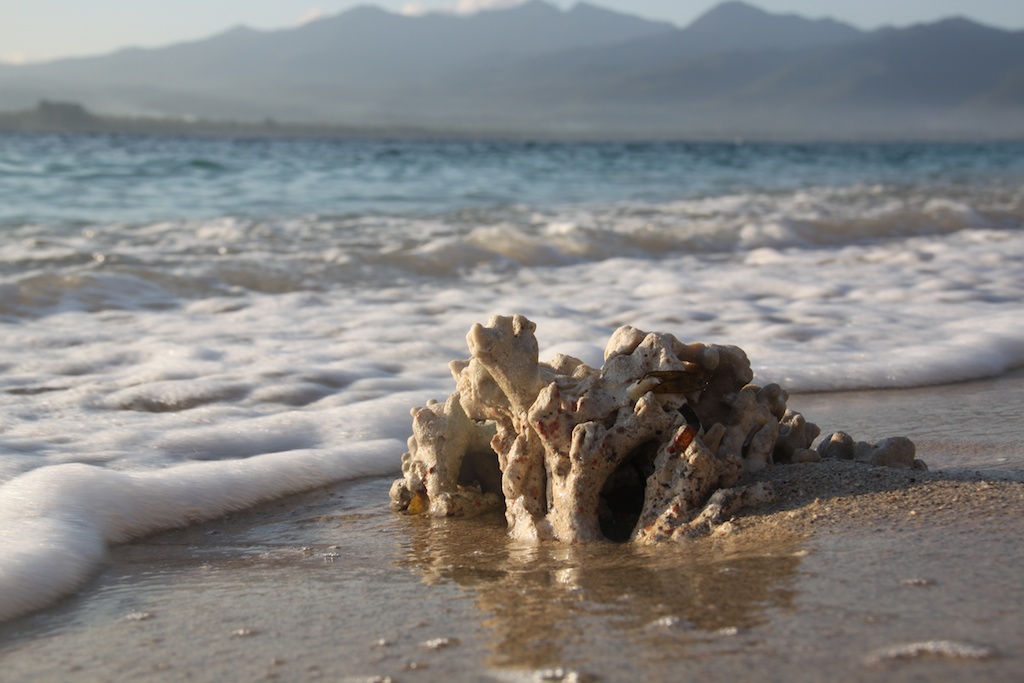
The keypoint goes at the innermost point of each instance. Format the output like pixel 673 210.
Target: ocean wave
pixel 181 407
pixel 59 520
pixel 234 254
pixel 262 317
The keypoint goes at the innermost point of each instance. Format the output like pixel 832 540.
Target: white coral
pixel 648 448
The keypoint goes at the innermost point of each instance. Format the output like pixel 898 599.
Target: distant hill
pixel 739 27
pixel 72 117
pixel 356 66
pixel 952 78
pixel 737 71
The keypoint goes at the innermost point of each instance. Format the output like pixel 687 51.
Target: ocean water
pixel 192 326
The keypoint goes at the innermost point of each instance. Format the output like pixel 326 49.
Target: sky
pixel 41 30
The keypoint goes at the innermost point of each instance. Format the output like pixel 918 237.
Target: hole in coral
pixel 622 497
pixel 691 415
pixel 481 469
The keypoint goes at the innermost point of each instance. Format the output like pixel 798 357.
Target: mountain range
pixel 736 71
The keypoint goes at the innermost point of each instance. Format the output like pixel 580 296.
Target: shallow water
pixel 956 427
pixel 266 312
pixel 331 585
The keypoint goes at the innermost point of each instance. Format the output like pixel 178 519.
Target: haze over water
pixel 166 301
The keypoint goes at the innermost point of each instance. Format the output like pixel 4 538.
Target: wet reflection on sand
pixel 549 604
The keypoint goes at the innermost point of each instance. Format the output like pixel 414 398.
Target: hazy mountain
pixel 947 63
pixel 737 70
pixel 338 66
pixel 797 78
pixel 737 26
pixel 365 40
pixel 728 27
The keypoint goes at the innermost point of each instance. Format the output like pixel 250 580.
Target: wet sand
pixel 856 574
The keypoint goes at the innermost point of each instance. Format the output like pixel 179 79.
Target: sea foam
pixel 59 520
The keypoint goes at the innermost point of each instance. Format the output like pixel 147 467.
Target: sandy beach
pixel 857 573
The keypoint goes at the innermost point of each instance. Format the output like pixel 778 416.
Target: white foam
pixel 945 649
pixel 59 520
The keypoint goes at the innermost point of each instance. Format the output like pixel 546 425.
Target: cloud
pixel 414 9
pixel 310 15
pixel 13 58
pixel 417 8
pixel 474 6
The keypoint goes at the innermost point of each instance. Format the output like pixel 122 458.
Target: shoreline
pixel 854 573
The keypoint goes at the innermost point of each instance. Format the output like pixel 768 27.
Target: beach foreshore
pixel 856 573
